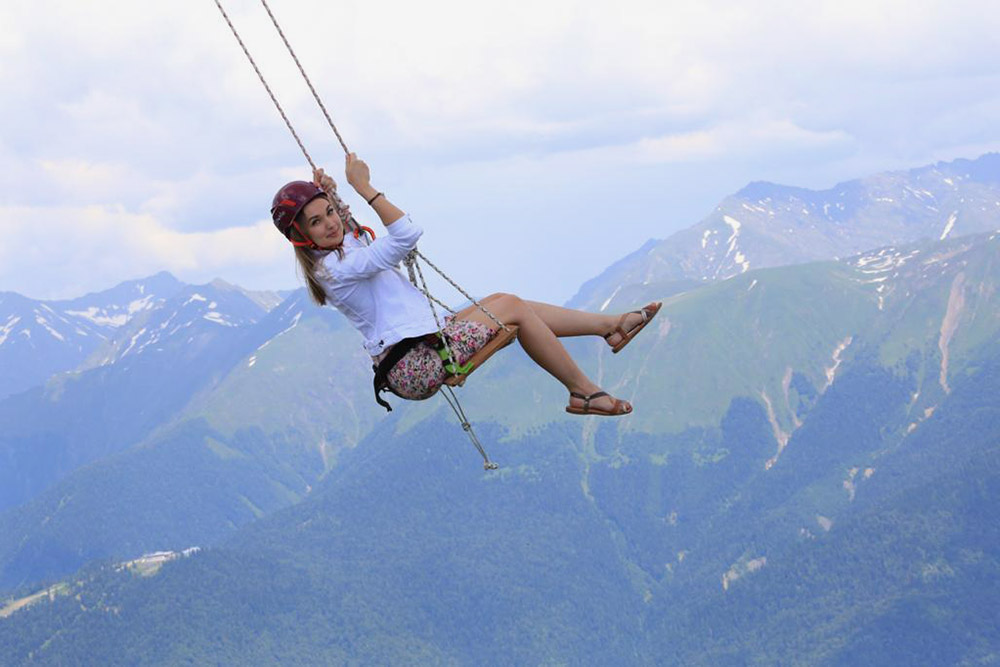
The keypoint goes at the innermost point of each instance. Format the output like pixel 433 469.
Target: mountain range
pixel 809 477
pixel 765 225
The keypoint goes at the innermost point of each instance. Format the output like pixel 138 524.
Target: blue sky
pixel 536 142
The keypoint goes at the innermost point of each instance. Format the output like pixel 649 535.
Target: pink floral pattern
pixel 420 373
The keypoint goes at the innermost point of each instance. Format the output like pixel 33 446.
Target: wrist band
pixel 377 195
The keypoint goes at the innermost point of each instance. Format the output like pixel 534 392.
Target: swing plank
pixel 497 343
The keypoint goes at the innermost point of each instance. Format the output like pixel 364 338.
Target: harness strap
pixel 380 382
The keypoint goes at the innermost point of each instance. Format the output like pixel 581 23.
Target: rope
pixel 416 253
pixel 343 145
pixel 305 76
pixel 437 321
pixel 467 427
pixel 342 210
pixel 456 405
pixel 266 87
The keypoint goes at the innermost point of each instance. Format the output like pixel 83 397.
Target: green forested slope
pixel 828 498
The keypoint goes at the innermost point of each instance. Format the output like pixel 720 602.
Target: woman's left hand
pixel 324 181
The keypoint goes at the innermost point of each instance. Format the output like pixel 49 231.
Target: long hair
pixel 309 264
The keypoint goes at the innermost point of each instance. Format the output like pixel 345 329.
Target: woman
pixel 363 283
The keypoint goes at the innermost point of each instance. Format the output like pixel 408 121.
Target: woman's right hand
pixel 323 181
pixel 358 174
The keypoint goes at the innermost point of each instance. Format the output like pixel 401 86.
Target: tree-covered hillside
pixel 810 478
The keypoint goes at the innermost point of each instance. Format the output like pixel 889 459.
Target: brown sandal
pixel 619 408
pixel 647 312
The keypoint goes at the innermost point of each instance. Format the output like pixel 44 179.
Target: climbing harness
pixel 456 373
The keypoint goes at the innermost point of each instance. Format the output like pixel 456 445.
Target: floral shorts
pixel 420 373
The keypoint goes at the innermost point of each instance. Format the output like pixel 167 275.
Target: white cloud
pixel 733 140
pixel 67 251
pixel 153 112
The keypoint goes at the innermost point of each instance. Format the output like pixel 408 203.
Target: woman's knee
pixel 510 304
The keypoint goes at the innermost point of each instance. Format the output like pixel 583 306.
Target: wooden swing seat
pixel 497 343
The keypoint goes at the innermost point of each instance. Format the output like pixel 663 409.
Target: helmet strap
pixel 308 243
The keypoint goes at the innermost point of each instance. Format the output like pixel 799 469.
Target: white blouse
pixel 370 290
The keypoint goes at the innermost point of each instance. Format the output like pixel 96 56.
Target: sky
pixel 535 142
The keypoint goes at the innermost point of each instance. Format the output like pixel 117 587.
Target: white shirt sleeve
pixel 386 252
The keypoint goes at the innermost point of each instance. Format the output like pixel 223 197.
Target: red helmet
pixel 287 204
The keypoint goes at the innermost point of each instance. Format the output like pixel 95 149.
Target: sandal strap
pixel 586 399
pixel 620 327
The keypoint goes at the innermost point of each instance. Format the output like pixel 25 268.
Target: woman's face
pixel 322 224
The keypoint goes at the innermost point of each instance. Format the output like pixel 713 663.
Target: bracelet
pixel 377 195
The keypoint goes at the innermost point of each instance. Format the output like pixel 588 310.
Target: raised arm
pixel 387 251
pixel 359 176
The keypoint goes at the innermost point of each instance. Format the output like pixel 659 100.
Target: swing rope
pixel 414 254
pixel 411 258
pixel 342 209
pixel 305 76
pixel 260 76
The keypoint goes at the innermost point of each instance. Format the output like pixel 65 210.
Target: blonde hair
pixel 310 264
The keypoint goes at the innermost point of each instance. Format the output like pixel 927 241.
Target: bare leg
pixel 541 343
pixel 565 322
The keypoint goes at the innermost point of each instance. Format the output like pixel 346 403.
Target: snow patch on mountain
pixel 132 342
pixel 100 317
pixel 881 266
pixel 144 303
pixel 733 250
pixel 949 225
pixel 295 321
pixel 607 302
pixel 8 327
pixel 217 318
pixel 55 334
pixel 114 317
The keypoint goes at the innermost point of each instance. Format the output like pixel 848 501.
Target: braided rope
pixel 342 208
pixel 266 87
pixel 456 407
pixel 484 309
pixel 344 213
pixel 449 395
pixel 305 76
pixel 343 145
pixel 437 321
